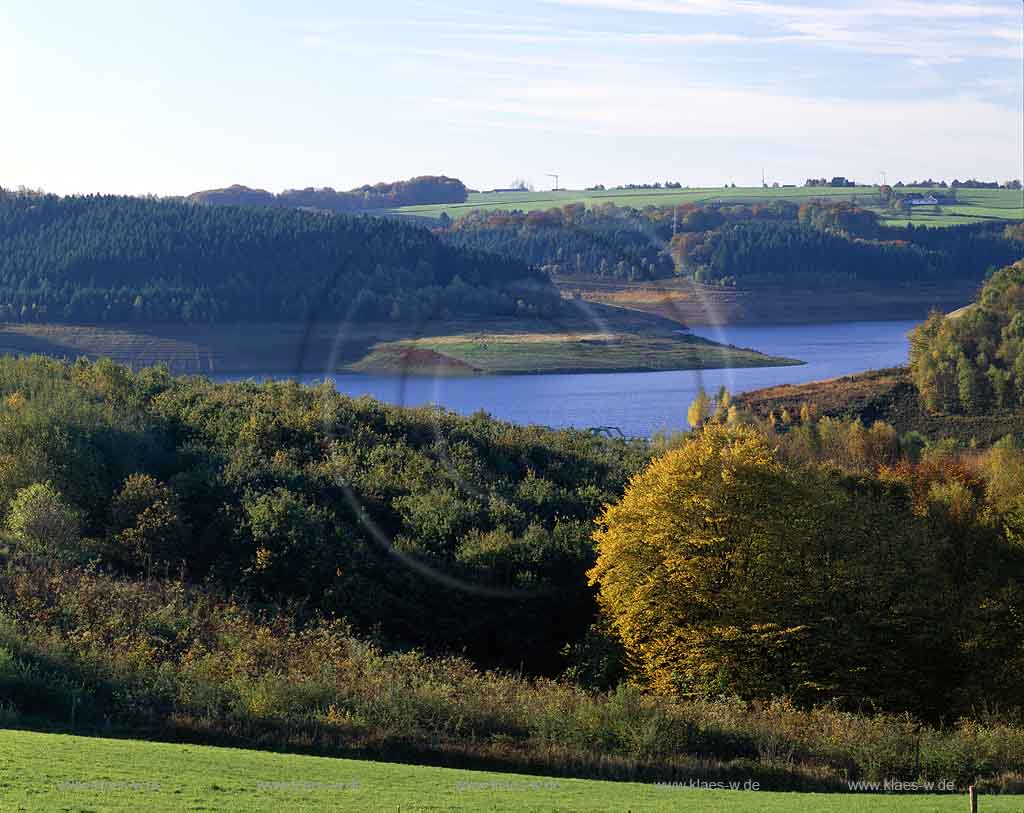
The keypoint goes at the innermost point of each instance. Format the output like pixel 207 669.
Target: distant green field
pixel 972 204
pixel 529 201
pixel 60 772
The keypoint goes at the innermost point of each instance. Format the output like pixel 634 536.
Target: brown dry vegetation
pixel 87 653
pixel 883 395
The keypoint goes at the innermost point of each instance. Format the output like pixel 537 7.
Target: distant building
pixel 926 200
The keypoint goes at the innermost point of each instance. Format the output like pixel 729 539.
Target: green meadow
pixel 62 772
pixel 972 204
pixel 529 201
pixel 568 351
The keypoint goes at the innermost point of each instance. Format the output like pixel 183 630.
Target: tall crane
pixel 555 176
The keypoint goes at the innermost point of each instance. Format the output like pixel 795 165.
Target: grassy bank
pixel 883 395
pixel 590 338
pixel 558 352
pixel 52 771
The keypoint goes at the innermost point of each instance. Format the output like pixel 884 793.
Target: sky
pixel 169 98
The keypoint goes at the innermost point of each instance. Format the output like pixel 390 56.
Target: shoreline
pixel 620 341
pixel 695 305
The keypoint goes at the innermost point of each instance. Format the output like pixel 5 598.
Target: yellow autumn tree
pixel 699 410
pixel 145 524
pixel 721 570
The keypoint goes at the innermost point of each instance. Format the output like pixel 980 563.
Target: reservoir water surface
pixel 642 403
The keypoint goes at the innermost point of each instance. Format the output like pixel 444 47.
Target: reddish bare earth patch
pixel 416 359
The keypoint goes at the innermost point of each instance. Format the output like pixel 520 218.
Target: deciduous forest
pixel 777 244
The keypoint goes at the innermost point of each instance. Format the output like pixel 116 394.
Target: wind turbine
pixel 555 176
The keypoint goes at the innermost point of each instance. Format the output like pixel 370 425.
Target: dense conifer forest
pixel 120 259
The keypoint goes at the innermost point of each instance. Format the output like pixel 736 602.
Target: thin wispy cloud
pixel 954 30
pixel 740 7
pixel 653 111
pixel 606 90
pixel 865 26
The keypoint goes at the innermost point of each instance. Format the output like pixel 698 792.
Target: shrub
pixel 43 523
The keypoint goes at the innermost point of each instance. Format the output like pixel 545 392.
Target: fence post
pixel 972 794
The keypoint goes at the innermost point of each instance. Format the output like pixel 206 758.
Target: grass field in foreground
pixel 61 772
pixel 972 206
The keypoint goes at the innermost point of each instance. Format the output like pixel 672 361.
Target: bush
pixel 42 523
pixel 82 650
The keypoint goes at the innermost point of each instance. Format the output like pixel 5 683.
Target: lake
pixel 642 403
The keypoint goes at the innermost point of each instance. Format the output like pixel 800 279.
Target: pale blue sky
pixel 167 98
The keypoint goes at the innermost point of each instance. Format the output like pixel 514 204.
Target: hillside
pixel 883 395
pixel 277 566
pixel 425 189
pixel 610 242
pixel 972 362
pixel 104 259
pixel 965 381
pixel 720 263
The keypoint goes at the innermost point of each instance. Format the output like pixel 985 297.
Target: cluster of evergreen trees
pixel 755 254
pixel 120 259
pixel 973 362
pixel 424 189
pixel 835 245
